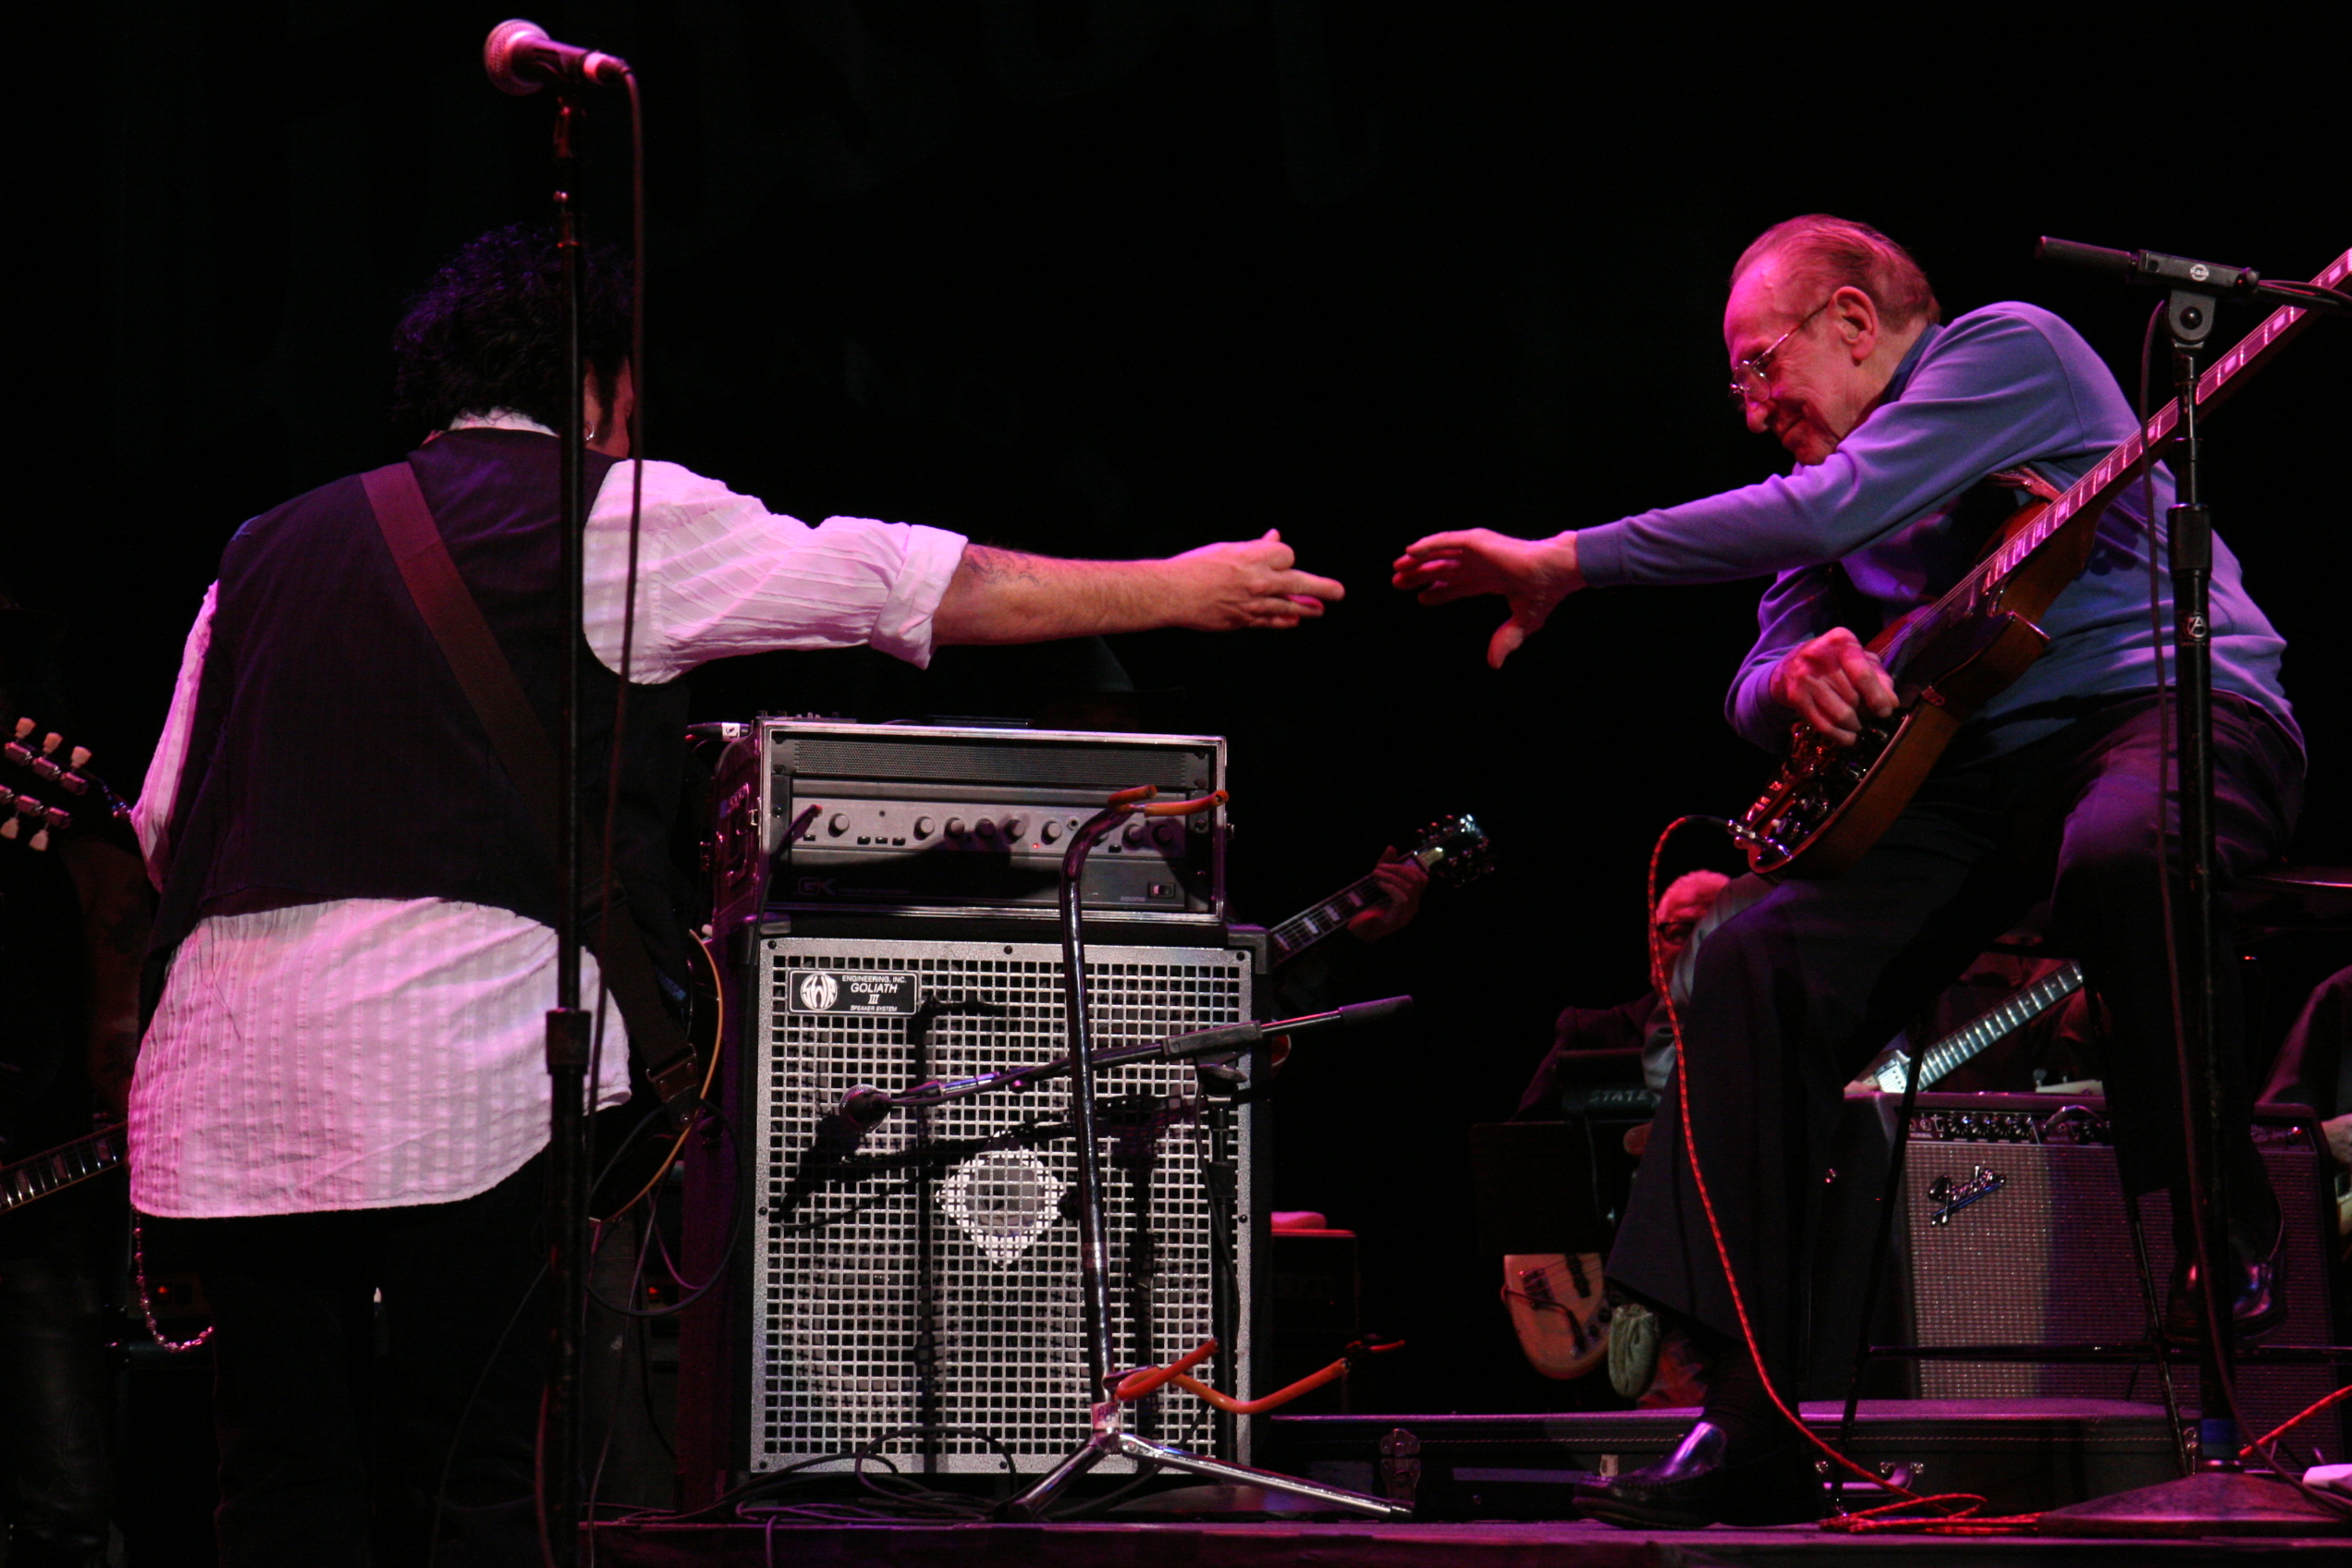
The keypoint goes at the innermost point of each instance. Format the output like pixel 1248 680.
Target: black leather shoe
pixel 1705 1481
pixel 2256 1289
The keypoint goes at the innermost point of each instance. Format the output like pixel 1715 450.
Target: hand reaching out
pixel 1247 583
pixel 1533 576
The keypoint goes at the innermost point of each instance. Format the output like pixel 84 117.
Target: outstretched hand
pixel 1532 575
pixel 1247 583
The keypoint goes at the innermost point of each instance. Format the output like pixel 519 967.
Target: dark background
pixel 1116 278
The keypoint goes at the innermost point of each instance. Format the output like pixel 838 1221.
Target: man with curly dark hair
pixel 340 1103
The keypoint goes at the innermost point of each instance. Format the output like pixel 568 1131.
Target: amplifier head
pixel 913 820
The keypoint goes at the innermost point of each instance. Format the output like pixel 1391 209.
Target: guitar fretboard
pixel 1962 1045
pixel 2110 473
pixel 59 1168
pixel 1309 926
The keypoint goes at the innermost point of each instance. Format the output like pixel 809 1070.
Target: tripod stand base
pixel 2212 1502
pixel 1030 1505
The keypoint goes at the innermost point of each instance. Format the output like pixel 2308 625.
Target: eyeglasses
pixel 1675 932
pixel 1748 374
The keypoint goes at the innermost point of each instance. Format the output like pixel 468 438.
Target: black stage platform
pixel 1494 1490
pixel 1489 1545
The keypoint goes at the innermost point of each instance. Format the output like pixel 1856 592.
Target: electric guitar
pixel 45 788
pixel 1887 1073
pixel 55 1170
pixel 1558 1310
pixel 1454 851
pixel 1556 1304
pixel 1946 660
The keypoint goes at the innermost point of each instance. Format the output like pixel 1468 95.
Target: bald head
pixel 1817 254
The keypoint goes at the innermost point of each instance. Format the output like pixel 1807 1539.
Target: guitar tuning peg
pixel 8 828
pixel 40 840
pixel 50 743
pixel 24 728
pixel 79 756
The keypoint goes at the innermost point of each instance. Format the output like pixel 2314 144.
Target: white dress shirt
pixel 363 1053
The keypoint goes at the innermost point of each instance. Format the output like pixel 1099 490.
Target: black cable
pixel 738 1215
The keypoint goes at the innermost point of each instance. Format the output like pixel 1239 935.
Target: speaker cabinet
pixel 924 1273
pixel 2044 1257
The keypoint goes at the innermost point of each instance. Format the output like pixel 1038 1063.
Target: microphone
pixel 2150 266
pixel 522 59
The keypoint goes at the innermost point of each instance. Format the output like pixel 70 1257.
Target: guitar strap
pixel 658 1047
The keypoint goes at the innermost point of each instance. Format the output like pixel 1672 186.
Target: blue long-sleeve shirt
pixel 2005 386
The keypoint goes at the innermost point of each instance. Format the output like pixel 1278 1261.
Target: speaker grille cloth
pixel 864 1279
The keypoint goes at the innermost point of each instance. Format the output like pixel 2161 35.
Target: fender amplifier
pixel 2017 1235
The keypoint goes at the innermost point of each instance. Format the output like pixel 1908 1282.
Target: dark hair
pixel 1833 254
pixel 488 331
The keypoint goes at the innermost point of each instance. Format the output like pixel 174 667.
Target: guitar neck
pixel 60 1168
pixel 1310 925
pixel 2108 477
pixel 1965 1043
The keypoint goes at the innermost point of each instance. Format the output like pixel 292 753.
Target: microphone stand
pixel 2220 1496
pixel 569 1028
pixel 1109 1439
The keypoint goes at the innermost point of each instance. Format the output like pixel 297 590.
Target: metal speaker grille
pixel 886 1298
pixel 2047 1260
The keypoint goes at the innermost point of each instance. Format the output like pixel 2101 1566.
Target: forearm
pixel 1010 596
pixel 1007 596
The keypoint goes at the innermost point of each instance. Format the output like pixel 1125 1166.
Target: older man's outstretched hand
pixel 1532 575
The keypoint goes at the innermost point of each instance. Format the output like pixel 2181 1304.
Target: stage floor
pixel 1383 1545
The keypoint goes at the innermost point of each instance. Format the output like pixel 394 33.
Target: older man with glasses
pixel 1900 425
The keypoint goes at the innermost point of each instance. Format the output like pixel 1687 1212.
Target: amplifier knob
pixel 986 827
pixel 1134 834
pixel 839 823
pixel 1167 832
pixel 955 827
pixel 1016 828
pixel 1051 831
pixel 925 827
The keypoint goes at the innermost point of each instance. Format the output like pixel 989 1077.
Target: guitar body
pixel 1832 802
pixel 1558 1311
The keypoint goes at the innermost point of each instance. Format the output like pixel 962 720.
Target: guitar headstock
pixel 43 788
pixel 1453 850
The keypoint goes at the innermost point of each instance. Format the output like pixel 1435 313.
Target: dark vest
pixel 334 755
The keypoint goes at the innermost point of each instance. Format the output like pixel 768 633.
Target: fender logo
pixel 1949 1197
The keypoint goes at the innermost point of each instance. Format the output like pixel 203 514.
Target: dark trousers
pixel 336 1416
pixel 55 1387
pixel 1790 998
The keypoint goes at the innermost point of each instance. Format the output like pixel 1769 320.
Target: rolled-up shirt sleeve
pixel 719 574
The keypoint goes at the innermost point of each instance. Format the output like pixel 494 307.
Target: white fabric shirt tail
pixel 367 1053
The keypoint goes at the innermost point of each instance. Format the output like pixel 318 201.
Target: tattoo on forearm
pixel 988 564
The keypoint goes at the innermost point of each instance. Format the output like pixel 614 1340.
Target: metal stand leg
pixel 1111 1438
